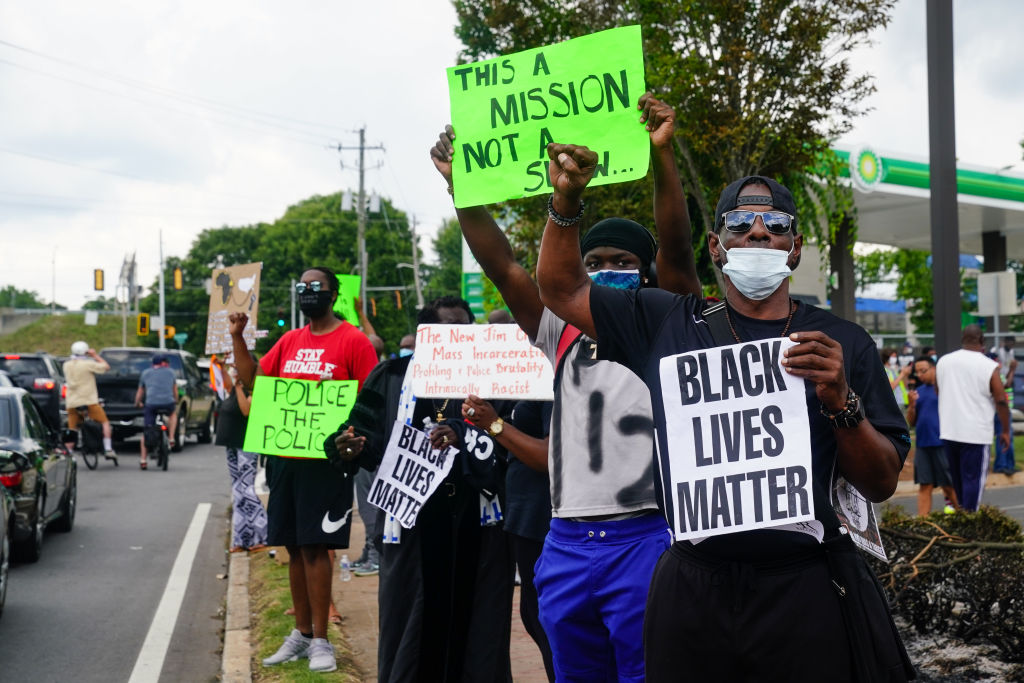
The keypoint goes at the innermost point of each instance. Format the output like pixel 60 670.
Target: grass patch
pixel 55 334
pixel 269 597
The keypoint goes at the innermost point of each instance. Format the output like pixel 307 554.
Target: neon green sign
pixel 292 417
pixel 345 304
pixel 506 110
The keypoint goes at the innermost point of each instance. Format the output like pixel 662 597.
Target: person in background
pixel 931 468
pixel 970 394
pixel 80 374
pixel 159 386
pixel 1005 457
pixel 248 518
pixel 897 376
pixel 406 345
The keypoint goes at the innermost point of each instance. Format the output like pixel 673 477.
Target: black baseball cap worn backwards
pixel 781 198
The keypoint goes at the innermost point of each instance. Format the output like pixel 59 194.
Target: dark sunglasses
pixel 775 222
pixel 314 286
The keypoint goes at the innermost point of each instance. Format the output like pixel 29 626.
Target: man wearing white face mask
pixel 795 602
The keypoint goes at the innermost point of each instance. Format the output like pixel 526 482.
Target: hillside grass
pixel 55 334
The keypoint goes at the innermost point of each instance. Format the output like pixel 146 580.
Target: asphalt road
pixel 83 612
pixel 1009 499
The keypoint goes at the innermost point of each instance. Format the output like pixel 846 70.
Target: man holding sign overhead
pixel 310 502
pixel 762 577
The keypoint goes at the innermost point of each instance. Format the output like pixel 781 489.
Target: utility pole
pixel 416 265
pixel 361 211
pixel 163 321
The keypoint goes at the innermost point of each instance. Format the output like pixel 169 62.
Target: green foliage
pixel 758 87
pixel 23 298
pixel 958 575
pixel 445 279
pixel 310 233
pixel 909 270
pixel 101 303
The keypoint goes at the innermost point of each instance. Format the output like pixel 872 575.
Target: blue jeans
pixel 1004 458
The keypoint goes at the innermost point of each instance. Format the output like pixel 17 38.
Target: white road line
pixel 150 661
pixel 1013 507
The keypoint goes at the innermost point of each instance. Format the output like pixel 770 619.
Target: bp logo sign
pixel 866 169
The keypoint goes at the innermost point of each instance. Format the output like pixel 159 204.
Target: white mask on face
pixel 755 271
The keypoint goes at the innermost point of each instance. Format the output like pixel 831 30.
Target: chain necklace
pixel 440 411
pixel 785 330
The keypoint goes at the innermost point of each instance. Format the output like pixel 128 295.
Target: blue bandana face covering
pixel 617 279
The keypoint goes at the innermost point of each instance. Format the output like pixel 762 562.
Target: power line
pixel 168 92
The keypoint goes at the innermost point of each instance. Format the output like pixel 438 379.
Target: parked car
pixel 117 388
pixel 38 472
pixel 43 376
pixel 6 530
pixel 5 379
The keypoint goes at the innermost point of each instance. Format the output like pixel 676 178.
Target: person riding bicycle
pixel 160 387
pixel 80 374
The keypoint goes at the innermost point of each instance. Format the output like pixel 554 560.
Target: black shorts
pixel 310 503
pixel 931 466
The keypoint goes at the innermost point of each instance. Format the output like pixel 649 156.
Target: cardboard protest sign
pixel 235 288
pixel 491 361
pixel 857 514
pixel 506 110
pixel 292 417
pixel 738 440
pixel 409 473
pixel 348 291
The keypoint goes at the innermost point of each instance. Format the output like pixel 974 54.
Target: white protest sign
pixel 857 514
pixel 490 361
pixel 739 443
pixel 409 473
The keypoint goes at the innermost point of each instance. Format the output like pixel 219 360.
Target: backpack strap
pixel 570 335
pixel 714 315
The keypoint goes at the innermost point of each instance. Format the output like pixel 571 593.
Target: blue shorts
pixel 592 580
pixel 149 412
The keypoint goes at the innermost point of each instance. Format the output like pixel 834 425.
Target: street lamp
pixel 416 278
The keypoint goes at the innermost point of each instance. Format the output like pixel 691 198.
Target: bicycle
pixel 157 440
pixel 89 439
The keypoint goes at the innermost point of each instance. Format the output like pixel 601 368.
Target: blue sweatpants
pixel 968 466
pixel 592 580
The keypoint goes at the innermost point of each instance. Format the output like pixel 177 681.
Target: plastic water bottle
pixel 346 568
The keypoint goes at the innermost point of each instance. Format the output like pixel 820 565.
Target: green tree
pixel 23 298
pixel 445 278
pixel 312 232
pixel 759 87
pixel 101 303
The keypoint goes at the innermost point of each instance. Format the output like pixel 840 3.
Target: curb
pixel 235 665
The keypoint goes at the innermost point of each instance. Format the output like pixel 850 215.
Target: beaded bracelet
pixel 560 220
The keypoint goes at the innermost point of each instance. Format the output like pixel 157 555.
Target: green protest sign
pixel 345 304
pixel 292 417
pixel 506 110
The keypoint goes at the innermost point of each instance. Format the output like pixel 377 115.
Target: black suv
pixel 42 376
pixel 118 385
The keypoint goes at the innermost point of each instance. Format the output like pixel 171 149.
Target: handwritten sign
pixel 345 304
pixel 292 417
pixel 491 361
pixel 233 289
pixel 409 473
pixel 738 440
pixel 506 110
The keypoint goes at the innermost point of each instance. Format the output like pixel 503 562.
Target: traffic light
pixel 280 317
pixel 177 278
pixel 398 299
pixel 373 307
pixel 97 279
pixel 169 331
pixel 142 325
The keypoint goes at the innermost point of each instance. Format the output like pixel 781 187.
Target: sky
pixel 121 120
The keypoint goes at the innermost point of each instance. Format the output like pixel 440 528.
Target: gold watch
pixel 496 427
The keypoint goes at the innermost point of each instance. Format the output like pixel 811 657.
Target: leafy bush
pixel 959 575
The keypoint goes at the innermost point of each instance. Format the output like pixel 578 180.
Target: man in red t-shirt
pixel 310 503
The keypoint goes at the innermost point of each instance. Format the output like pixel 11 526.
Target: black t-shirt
pixel 639 328
pixel 527 491
pixel 230 423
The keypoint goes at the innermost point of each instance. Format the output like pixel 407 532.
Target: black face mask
pixel 315 304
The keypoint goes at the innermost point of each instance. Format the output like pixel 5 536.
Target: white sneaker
pixel 321 655
pixel 295 646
